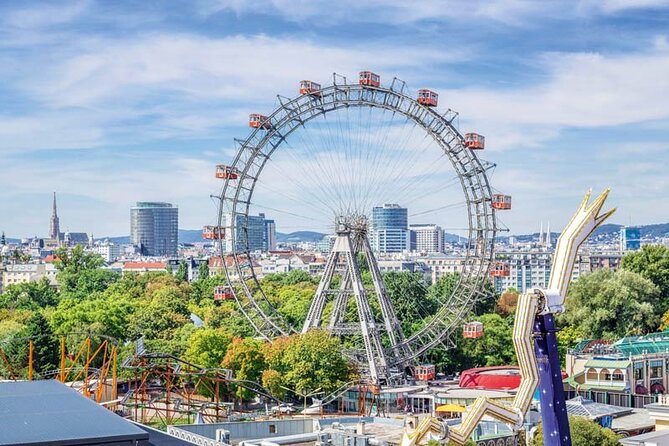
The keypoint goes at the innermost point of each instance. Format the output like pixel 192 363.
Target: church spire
pixel 549 242
pixel 541 234
pixel 54 223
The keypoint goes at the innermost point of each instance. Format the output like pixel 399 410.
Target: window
pixel 638 370
pixel 272 428
pixel 655 368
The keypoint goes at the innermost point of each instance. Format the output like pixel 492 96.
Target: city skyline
pixel 412 225
pixel 138 109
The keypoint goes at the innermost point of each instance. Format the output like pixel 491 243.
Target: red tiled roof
pixel 145 265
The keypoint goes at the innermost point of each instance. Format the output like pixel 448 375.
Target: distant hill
pixel 604 232
pixel 607 231
pixel 299 236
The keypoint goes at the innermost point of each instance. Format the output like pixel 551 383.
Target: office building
pixel 270 234
pixel 109 251
pixel 252 233
pixel 154 228
pixel 427 239
pixel 390 229
pixel 630 238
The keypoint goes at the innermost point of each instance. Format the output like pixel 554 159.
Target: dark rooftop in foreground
pixel 51 414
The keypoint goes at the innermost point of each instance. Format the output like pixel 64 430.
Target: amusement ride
pixel 345 148
pixel 326 143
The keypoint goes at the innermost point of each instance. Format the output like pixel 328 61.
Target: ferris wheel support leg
pixel 315 313
pixel 393 327
pixel 341 302
pixel 378 366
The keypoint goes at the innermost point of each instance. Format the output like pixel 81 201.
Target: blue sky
pixel 108 103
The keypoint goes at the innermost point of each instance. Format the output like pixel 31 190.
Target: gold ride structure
pixel 531 306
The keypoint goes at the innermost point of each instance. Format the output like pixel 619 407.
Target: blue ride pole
pixel 551 391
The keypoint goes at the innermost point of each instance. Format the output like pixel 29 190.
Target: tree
pixel 207 347
pixel 245 358
pixel 496 345
pixel 409 297
pixel 182 272
pixel 29 295
pixel 203 271
pixel 443 288
pixel 314 360
pixel 567 338
pixel 79 272
pixel 104 314
pixel 610 305
pixel 45 346
pixel 583 433
pixel 507 303
pixel 163 310
pixel 652 262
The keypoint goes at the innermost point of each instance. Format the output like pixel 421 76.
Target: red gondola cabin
pixel 472 330
pixel 213 232
pixel 474 141
pixel 311 88
pixel 425 372
pixel 370 79
pixel 223 293
pixel 427 97
pixel 501 201
pixel 258 121
pixel 226 172
pixel 500 269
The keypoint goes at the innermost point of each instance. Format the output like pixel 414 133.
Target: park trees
pixel 496 345
pixel 410 299
pixel 80 272
pixel 651 262
pixel 29 295
pixel 610 305
pixel 305 363
pixel 583 433
pixel 207 346
pixel 244 356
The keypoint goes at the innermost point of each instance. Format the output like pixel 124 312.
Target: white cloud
pixel 580 91
pixel 384 11
pixel 45 15
pixel 615 6
pixel 251 69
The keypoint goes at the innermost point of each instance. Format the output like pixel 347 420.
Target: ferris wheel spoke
pixel 404 172
pixel 395 166
pixel 327 174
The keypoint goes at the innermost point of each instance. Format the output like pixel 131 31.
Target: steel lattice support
pixel 349 242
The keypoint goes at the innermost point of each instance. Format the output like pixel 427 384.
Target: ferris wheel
pixel 340 159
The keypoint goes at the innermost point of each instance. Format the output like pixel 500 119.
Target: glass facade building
pixel 390 229
pixel 252 233
pixel 154 228
pixel 630 238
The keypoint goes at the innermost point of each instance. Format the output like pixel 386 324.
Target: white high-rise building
pixel 427 238
pixel 390 229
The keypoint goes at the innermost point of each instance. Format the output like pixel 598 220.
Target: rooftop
pixel 638 345
pixel 49 413
pixel 587 408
